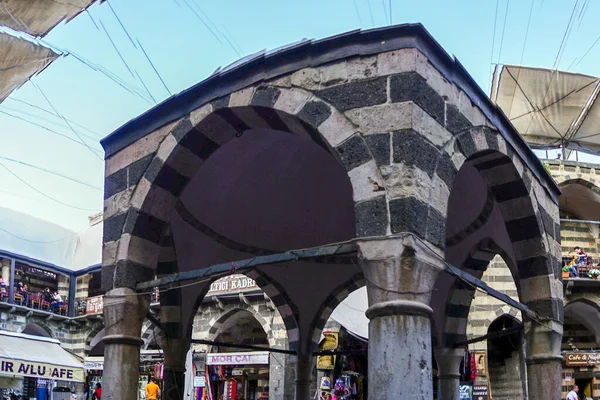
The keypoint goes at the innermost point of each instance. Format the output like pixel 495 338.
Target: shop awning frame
pixel 37 357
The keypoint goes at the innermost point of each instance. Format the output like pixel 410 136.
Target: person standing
pixel 98 392
pixel 573 393
pixel 152 390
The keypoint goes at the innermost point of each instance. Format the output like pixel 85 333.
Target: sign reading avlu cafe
pixel 39 370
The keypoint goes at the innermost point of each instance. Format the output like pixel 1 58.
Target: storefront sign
pixel 249 358
pixel 199 381
pixel 39 370
pixel 465 392
pixel 582 359
pixel 93 365
pixel 480 392
pixel 232 284
pixel 94 305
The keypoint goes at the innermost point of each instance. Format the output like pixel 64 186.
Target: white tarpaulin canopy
pixel 38 357
pixel 550 108
pixel 38 17
pixel 350 313
pixel 20 59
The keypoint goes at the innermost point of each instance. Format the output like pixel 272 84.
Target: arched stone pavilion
pixel 377 137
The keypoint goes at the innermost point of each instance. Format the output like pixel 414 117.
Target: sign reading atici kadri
pixel 232 284
pixel 580 359
pixel 40 370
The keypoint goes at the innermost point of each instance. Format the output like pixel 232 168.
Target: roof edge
pixel 266 66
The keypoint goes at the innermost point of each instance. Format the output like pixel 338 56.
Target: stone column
pixel 400 275
pixel 63 286
pixel 124 312
pixel 304 363
pixel 6 271
pixel 175 352
pixel 448 363
pixel 544 361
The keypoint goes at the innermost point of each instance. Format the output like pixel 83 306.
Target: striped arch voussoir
pixel 338 295
pixel 216 323
pixel 462 294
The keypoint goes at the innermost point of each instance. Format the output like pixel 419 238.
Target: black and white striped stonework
pixel 392 121
pixel 462 294
pixel 336 297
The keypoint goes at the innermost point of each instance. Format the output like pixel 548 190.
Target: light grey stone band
pixel 123 339
pixel 544 359
pixel 399 307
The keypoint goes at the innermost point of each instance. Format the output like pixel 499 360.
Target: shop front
pixel 237 376
pixel 32 366
pixel 582 369
pixel 150 366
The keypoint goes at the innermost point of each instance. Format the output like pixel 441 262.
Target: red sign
pixel 480 392
pixel 94 305
pixel 582 359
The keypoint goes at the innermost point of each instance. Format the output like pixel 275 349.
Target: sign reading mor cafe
pixel 582 359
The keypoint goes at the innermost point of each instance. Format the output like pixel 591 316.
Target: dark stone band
pixel 123 339
pixel 399 308
pixel 544 359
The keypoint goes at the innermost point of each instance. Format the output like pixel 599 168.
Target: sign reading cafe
pixel 580 359
pixel 39 370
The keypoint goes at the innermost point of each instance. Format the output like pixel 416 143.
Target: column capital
pixel 544 341
pixel 124 313
pixel 400 269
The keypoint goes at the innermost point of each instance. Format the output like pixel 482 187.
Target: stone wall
pixel 212 315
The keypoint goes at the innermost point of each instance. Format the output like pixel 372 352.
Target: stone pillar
pixel 277 376
pixel 83 283
pixel 304 363
pixel 544 361
pixel 448 363
pixel 175 352
pixel 6 271
pixel 63 286
pixel 400 275
pixel 124 313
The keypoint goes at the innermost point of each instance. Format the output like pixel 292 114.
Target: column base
pixel 544 377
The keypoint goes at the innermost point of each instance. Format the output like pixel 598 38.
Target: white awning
pixel 350 313
pixel 37 357
pixel 38 17
pixel 20 59
pixel 550 108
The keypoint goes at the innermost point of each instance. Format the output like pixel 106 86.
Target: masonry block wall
pixel 211 316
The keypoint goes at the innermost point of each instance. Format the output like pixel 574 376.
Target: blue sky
pixel 185 52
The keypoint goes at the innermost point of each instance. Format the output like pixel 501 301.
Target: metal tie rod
pixel 241 265
pixel 452 270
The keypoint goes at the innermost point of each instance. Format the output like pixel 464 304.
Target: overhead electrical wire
pixel 387 20
pixel 44 194
pixel 51 113
pixel 233 39
pixel 493 42
pixel 522 57
pixel 391 20
pixel 357 13
pixel 371 13
pixel 153 67
pixel 116 48
pixel 503 30
pixel 44 128
pixel 33 115
pixel 51 172
pixel 121 23
pixel 67 122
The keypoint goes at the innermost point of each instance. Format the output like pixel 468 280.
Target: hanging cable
pixel 67 122
pixel 51 113
pixel 385 12
pixel 121 23
pixel 44 128
pixel 51 172
pixel 154 68
pixel 44 194
pixel 116 49
pixel 371 13
pixel 357 13
pixel 503 30
pixel 493 43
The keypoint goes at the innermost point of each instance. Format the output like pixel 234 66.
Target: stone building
pixel 377 139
